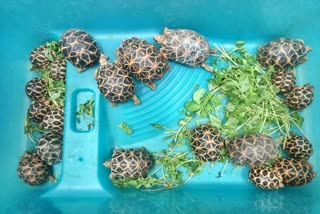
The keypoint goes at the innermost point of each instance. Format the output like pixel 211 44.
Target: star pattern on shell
pixel 252 149
pixel 38 58
pixel 115 83
pixel 37 111
pixel 143 60
pixel 298 147
pixel 284 80
pixel 265 177
pixel 283 53
pixel 32 170
pixel 36 88
pixel 206 143
pixel 54 121
pixel 185 47
pixel 58 69
pixel 294 172
pixel 49 148
pixel 129 163
pixel 79 48
pixel 300 97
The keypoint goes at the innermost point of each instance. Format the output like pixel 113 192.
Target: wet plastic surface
pixel 83 184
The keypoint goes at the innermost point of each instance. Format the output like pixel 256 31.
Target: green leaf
pixel 157 125
pixel 297 118
pixel 240 43
pixel 125 128
pixel 197 96
pixel 230 107
pixel 192 106
pixel 232 122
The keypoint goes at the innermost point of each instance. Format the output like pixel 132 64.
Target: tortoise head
pixel 103 60
pixel 107 164
pixel 159 39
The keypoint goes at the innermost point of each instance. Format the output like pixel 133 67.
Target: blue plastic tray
pixel 83 185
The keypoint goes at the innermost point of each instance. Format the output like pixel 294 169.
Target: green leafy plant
pixel 86 113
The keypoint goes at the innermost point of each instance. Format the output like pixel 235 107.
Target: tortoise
pixel 115 83
pixel 36 88
pixel 38 58
pixel 300 97
pixel 143 60
pixel 297 147
pixel 79 48
pixel 32 170
pixel 37 111
pixel 58 69
pixel 206 143
pixel 283 53
pixel 252 149
pixel 284 80
pixel 294 172
pixel 129 163
pixel 185 47
pixel 265 177
pixel 49 148
pixel 54 121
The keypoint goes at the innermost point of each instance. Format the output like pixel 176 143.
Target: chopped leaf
pixel 192 106
pixel 197 96
pixel 125 128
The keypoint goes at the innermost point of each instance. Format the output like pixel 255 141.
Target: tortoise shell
pixel 32 170
pixel 294 172
pixel 79 48
pixel 49 148
pixel 284 80
pixel 37 111
pixel 206 143
pixel 143 60
pixel 185 46
pixel 298 147
pixel 129 163
pixel 54 121
pixel 36 88
pixel 265 177
pixel 38 58
pixel 58 69
pixel 300 97
pixel 283 53
pixel 115 83
pixel 252 149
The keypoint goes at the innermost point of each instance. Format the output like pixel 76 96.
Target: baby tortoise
pixel 265 177
pixel 37 111
pixel 294 172
pixel 284 80
pixel 38 58
pixel 129 163
pixel 298 147
pixel 79 48
pixel 252 149
pixel 32 170
pixel 283 53
pixel 300 97
pixel 143 60
pixel 36 88
pixel 58 69
pixel 206 143
pixel 54 121
pixel 49 148
pixel 115 83
pixel 185 46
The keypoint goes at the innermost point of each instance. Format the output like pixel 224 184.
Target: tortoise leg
pixel 212 51
pixel 112 176
pixel 80 69
pixel 151 85
pixel 207 67
pixel 136 100
pixel 113 104
pixel 308 48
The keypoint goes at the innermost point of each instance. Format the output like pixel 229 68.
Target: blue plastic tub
pixel 83 185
